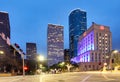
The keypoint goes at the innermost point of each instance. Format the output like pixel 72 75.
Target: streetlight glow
pixel 115 51
pixel 1 52
pixel 41 58
pixel 111 58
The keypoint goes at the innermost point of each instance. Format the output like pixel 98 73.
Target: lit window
pixel 105 34
pixel 106 48
pixel 105 41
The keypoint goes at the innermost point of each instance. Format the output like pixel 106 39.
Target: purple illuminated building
pixel 93 47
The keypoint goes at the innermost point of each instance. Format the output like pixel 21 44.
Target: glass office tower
pixel 77 26
pixel 55 44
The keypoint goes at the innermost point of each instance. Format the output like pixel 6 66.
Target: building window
pixel 89 66
pixel 92 58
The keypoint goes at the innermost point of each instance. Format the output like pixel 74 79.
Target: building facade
pixel 5 24
pixel 93 47
pixel 4 40
pixel 66 55
pixel 31 51
pixel 77 26
pixel 4 33
pixel 55 44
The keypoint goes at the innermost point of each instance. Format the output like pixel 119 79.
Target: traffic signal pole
pixel 22 55
pixel 23 65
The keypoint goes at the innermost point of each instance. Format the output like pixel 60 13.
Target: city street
pixel 66 77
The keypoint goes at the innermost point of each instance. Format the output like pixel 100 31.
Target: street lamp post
pixel 23 64
pixel 111 57
pixel 40 58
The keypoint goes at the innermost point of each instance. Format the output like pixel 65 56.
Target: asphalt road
pixel 66 77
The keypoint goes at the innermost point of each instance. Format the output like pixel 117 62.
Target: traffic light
pixel 21 50
pixel 25 68
pixel 17 45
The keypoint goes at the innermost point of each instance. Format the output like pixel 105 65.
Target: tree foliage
pixel 116 59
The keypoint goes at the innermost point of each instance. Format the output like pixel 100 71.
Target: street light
pixel 111 57
pixel 1 52
pixel 40 58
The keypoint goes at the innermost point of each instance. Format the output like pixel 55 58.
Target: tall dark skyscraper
pixel 77 26
pixel 4 24
pixel 4 33
pixel 55 44
pixel 4 40
pixel 31 51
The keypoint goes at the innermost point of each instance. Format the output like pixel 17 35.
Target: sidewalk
pixel 5 74
pixel 111 72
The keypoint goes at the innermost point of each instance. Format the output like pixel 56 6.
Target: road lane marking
pixel 17 79
pixel 107 77
pixel 84 80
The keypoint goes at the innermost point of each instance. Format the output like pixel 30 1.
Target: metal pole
pixel 23 65
pixel 111 60
pixel 111 64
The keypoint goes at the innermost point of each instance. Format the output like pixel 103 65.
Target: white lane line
pixel 15 80
pixel 84 80
pixel 107 77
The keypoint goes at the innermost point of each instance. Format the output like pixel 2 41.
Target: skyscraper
pixel 93 47
pixel 4 39
pixel 55 44
pixel 31 51
pixel 77 26
pixel 66 55
pixel 4 24
pixel 4 33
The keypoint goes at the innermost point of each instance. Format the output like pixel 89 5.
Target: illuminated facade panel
pixel 77 26
pixel 55 44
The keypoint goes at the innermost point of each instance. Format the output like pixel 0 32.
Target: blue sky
pixel 29 18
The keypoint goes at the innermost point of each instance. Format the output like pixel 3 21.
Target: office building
pixel 93 47
pixel 77 26
pixel 66 55
pixel 31 51
pixel 4 39
pixel 4 34
pixel 55 44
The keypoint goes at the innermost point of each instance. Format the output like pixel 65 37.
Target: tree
pixel 116 59
pixel 69 66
